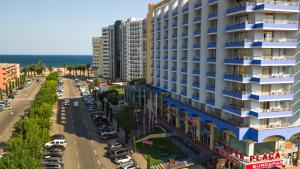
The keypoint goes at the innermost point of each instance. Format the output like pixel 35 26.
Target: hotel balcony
pixel 212 45
pixel 197 46
pixel 197 19
pixel 165 58
pixel 196 98
pixel 173 90
pixel 211 74
pixel 175 13
pixel 210 102
pixel 184 71
pixel 266 24
pixel 166 27
pixel 184 22
pixel 183 93
pixel 185 9
pixel 174 69
pixel 237 110
pixel 174 36
pixel 197 33
pixel 263 43
pixel 212 2
pixel 157 58
pixel 210 89
pixel 165 47
pixel 166 37
pixel 174 25
pixel 196 59
pixel 165 78
pixel 240 95
pixel 211 31
pixel 183 82
pixel 196 72
pixel 197 5
pixel 174 58
pixel 184 35
pixel 166 17
pixel 260 78
pixel 211 60
pixel 261 60
pixel 184 47
pixel 165 68
pixel 213 15
pixel 264 6
pixel 271 113
pixel 158 67
pixel 173 80
pixel 271 96
pixel 174 47
pixel 196 85
pixel 184 59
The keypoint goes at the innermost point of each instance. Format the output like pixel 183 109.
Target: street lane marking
pixel 78 165
pixel 76 153
pixel 95 152
pixel 99 162
pixel 75 142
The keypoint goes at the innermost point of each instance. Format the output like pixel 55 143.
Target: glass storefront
pixel 265 147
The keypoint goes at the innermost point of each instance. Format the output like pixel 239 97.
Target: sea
pixel 49 60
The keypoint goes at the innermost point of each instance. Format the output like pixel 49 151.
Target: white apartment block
pixel 97 56
pixel 133 50
pixel 106 61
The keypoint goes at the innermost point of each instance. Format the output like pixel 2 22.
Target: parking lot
pixel 87 132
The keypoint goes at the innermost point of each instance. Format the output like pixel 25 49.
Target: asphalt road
pixel 84 148
pixel 21 102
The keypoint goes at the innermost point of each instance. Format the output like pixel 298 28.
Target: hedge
pixel 26 146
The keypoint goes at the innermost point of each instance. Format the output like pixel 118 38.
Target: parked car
pixel 129 166
pixel 56 142
pixel 109 136
pixel 67 102
pixel 54 151
pixel 114 145
pixel 123 159
pixel 52 155
pixel 57 136
pixel 60 147
pixel 53 160
pixel 118 152
pixel 53 166
pixel 8 108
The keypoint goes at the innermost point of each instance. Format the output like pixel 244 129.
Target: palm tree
pixel 69 68
pixel 32 69
pixel 40 66
pixel 88 66
pixel 65 68
pixel 50 69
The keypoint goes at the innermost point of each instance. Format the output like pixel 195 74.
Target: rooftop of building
pixel 6 65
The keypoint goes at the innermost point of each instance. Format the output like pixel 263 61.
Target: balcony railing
pixel 271 126
pixel 272 93
pixel 277 2
pixel 261 75
pixel 263 57
pixel 273 109
pixel 273 21
pixel 197 5
pixel 265 40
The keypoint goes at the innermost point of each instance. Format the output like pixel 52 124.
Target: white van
pixel 56 142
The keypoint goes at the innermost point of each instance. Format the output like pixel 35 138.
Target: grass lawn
pixel 161 148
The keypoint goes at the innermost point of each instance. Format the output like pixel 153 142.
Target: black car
pixel 60 147
pixel 109 136
pixel 11 96
pixel 101 124
pixel 52 155
pixel 58 136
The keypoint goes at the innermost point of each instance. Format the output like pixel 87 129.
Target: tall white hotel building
pixel 229 78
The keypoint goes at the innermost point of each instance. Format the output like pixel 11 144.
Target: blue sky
pixel 60 26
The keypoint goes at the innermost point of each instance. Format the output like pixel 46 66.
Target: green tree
pixel 10 87
pixel 133 142
pixel 50 68
pixel 88 66
pixel 1 95
pixel 148 161
pixel 6 89
pixel 40 67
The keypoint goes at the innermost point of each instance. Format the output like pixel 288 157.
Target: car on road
pixel 108 131
pixel 60 147
pixel 54 151
pixel 92 109
pixel 129 166
pixel 59 94
pixel 67 102
pixel 123 159
pixel 53 166
pixel 109 136
pixel 98 115
pixel 52 155
pixel 53 160
pixel 56 142
pixel 114 145
pixel 8 108
pixel 116 153
pixel 57 136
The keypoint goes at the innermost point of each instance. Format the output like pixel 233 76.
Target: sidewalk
pixel 140 160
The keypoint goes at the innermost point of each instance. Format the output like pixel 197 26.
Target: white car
pixel 59 94
pixel 123 160
pixel 56 142
pixel 8 108
pixel 103 133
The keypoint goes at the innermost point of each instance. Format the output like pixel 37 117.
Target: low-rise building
pixel 9 72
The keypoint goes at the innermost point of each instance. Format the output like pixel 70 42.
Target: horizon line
pixel 51 54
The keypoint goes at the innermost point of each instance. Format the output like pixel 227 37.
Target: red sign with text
pixel 276 163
